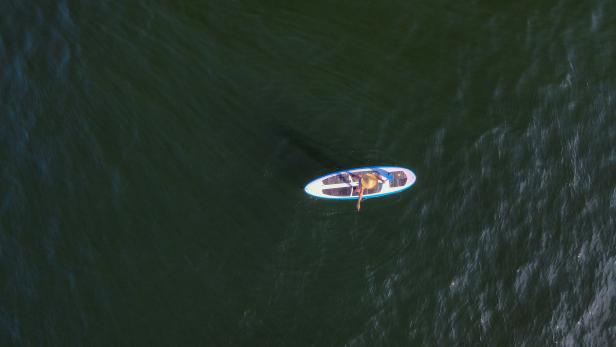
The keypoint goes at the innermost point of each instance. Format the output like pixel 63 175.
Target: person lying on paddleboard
pixel 367 181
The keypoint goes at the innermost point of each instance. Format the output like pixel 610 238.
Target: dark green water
pixel 153 156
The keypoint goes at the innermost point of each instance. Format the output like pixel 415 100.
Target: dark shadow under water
pixel 298 155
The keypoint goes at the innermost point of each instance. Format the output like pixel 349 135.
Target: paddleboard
pixel 343 185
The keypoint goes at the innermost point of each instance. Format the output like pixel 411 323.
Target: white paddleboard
pixel 343 185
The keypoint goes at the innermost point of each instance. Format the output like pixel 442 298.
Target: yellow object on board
pixel 369 180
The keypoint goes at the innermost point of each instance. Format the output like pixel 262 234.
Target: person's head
pixel 369 180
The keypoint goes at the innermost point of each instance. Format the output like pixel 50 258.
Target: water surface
pixel 153 156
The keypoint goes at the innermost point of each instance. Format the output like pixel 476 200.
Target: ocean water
pixel 153 156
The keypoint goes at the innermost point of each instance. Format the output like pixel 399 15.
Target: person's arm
pixel 361 195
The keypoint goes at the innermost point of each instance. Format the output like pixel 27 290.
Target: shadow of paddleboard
pixel 299 157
